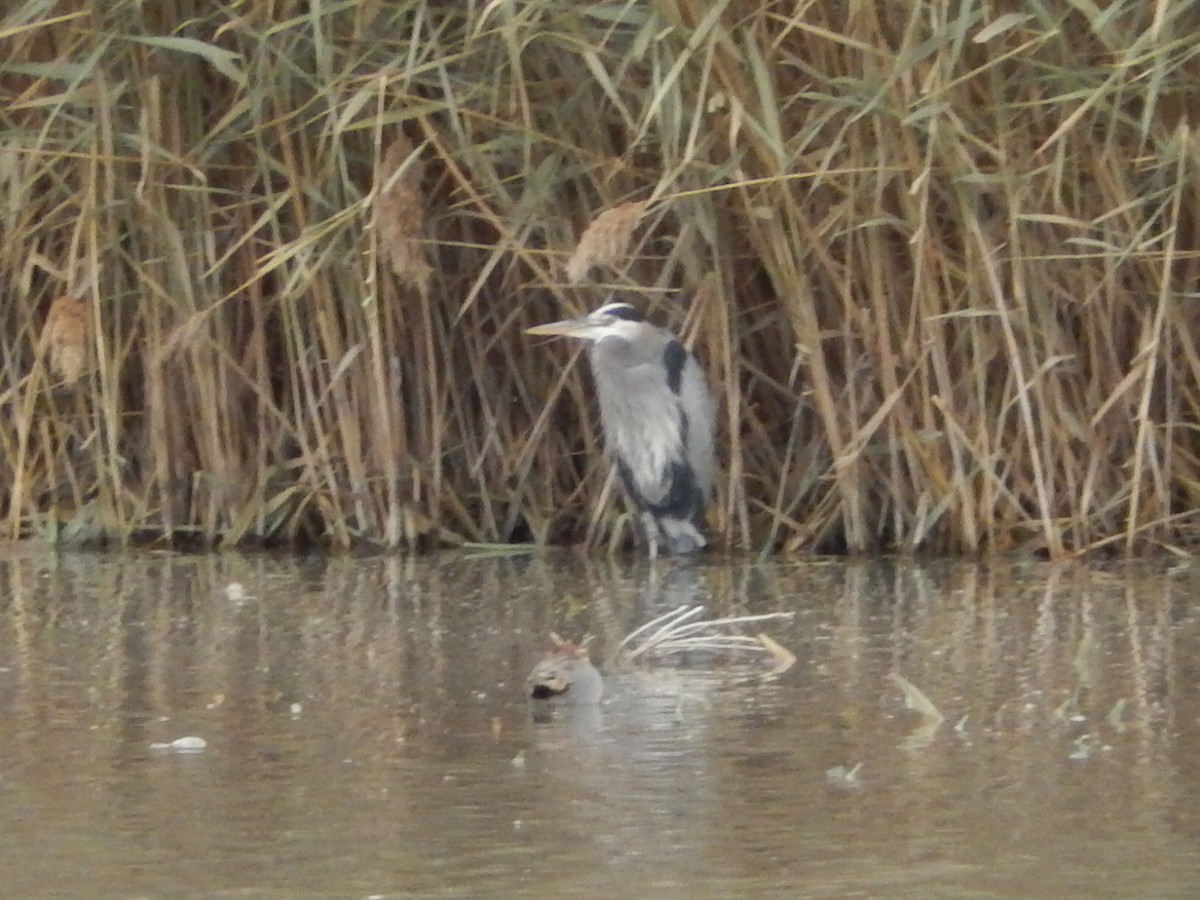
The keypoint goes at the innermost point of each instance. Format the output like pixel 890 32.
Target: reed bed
pixel 265 267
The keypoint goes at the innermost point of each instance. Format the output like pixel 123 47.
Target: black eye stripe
pixel 623 311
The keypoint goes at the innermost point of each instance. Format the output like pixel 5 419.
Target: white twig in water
pixel 676 632
pixel 674 617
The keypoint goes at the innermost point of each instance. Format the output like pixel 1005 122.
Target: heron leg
pixel 651 527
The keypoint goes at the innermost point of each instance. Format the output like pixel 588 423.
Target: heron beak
pixel 569 327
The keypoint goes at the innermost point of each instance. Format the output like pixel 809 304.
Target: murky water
pixel 367 733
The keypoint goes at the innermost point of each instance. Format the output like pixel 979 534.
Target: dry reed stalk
pixel 932 327
pixel 65 337
pixel 400 214
pixel 605 242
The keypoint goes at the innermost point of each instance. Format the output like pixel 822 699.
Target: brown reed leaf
pixel 65 336
pixel 606 240
pixel 400 216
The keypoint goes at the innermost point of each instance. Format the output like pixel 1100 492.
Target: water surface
pixel 367 734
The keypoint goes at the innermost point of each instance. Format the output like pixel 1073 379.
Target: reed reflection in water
pixel 367 731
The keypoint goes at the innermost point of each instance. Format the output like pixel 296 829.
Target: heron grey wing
pixel 700 407
pixel 640 414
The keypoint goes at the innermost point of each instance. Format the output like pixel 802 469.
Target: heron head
pixel 618 319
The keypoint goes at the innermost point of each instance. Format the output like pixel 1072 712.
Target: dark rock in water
pixel 566 676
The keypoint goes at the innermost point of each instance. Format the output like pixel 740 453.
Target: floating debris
pixel 840 776
pixel 1062 712
pixel 1114 716
pixel 680 632
pixel 189 744
pixel 236 593
pixel 566 675
pixel 784 658
pixel 1084 745
pixel 921 736
pixel 915 699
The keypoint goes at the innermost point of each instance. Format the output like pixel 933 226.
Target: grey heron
pixel 658 415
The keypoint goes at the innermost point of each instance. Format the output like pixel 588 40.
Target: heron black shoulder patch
pixel 674 359
pixel 684 497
